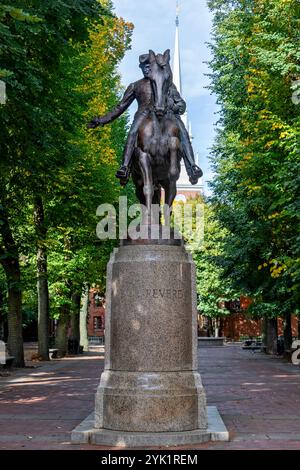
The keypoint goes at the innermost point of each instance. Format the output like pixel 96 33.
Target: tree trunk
pixel 298 327
pixel 42 281
pixel 43 307
pixel 84 342
pixel 75 329
pixel 210 329
pixel 15 334
pixel 221 327
pixel 287 332
pixel 64 318
pixel 61 340
pixel 272 334
pixel 264 333
pixel 216 327
pixel 9 258
pixel 1 317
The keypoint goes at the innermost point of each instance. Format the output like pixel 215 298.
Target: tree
pixel 38 49
pixel 89 180
pixel 256 155
pixel 212 289
pixel 13 23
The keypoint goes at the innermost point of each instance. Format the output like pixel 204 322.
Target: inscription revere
pixel 176 294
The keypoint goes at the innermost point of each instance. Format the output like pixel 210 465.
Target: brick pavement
pixel 258 397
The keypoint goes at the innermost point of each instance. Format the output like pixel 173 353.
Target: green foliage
pixel 256 156
pixel 59 62
pixel 212 289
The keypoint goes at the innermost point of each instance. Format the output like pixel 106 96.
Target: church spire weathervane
pixel 176 63
pixel 177 13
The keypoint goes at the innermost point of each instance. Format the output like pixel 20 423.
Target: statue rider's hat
pixel 144 59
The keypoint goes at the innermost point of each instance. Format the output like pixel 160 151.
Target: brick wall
pixel 238 324
pixel 96 315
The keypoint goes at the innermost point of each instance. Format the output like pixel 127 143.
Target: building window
pixel 98 299
pixel 98 324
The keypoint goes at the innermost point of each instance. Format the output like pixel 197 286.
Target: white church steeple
pixel 184 187
pixel 177 66
pixel 176 63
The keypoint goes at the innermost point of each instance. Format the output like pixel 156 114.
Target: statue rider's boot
pixel 123 174
pixel 194 173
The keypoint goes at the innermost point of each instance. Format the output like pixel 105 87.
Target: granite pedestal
pixel 150 389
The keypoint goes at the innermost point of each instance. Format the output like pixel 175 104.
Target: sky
pixel 154 22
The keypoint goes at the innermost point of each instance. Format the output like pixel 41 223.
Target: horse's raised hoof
pixel 194 174
pixel 123 175
pixel 193 179
pixel 196 171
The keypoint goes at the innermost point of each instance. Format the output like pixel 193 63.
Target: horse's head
pixel 161 78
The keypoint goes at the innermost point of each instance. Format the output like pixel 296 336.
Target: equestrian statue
pixel 158 138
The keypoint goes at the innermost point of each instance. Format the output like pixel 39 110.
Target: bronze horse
pixel 156 161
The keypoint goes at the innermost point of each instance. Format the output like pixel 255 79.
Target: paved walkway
pixel 257 396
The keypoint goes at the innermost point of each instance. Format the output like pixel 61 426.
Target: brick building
pixel 236 325
pixel 96 314
pixel 233 326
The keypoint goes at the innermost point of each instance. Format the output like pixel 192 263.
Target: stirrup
pixel 123 175
pixel 123 172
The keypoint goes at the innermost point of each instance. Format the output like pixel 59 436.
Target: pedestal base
pixel 85 433
pixel 151 381
pixel 150 393
pixel 150 401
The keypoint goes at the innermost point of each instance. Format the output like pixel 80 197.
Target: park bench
pixel 53 353
pixel 9 360
pixel 206 342
pixel 252 345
